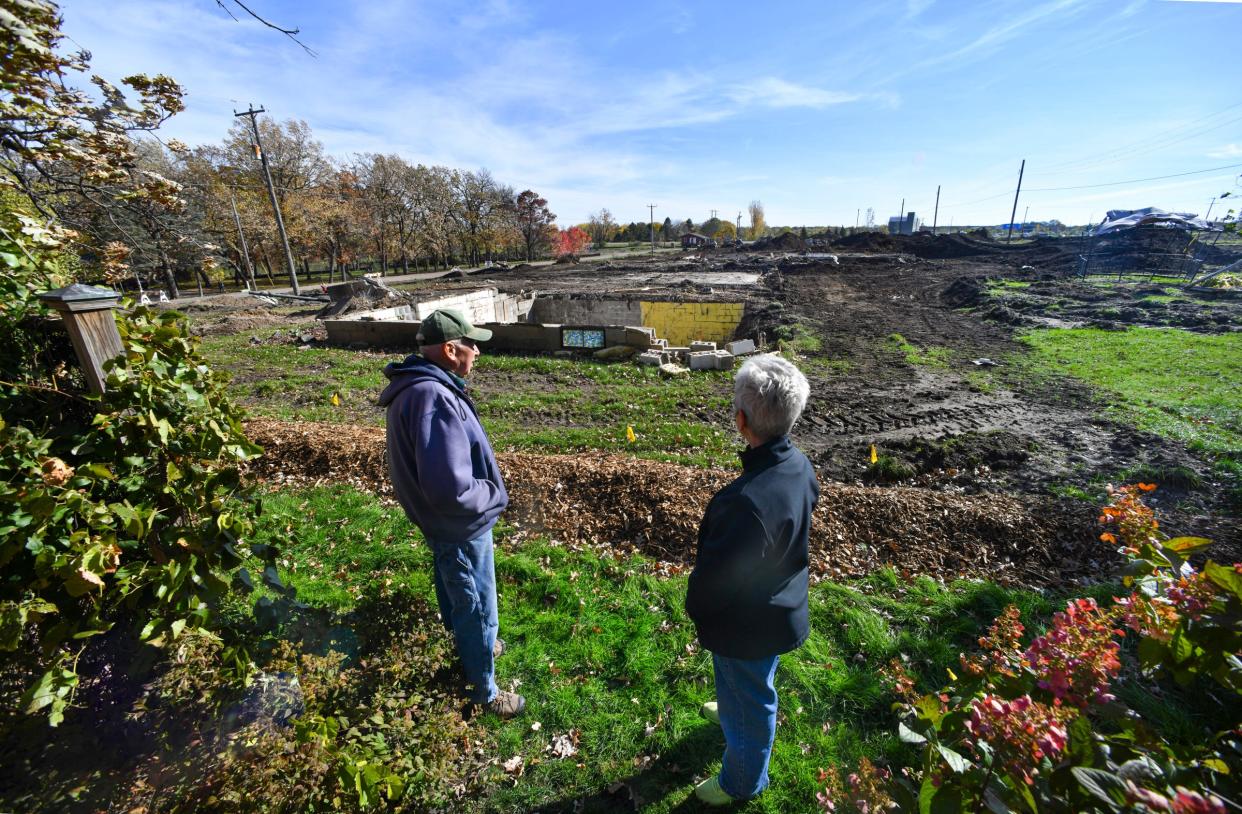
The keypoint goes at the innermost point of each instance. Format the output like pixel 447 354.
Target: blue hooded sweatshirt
pixel 439 458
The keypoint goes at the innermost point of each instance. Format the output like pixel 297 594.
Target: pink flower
pixel 1153 800
pixel 1192 802
pixel 1021 731
pixel 1077 658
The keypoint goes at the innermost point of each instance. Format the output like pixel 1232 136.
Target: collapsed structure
pixel 1151 241
pixel 677 316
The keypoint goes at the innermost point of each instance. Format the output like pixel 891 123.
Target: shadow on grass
pixel 679 766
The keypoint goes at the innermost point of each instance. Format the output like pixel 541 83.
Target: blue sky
pixel 818 109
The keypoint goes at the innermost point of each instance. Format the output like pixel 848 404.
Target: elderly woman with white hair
pixel 747 594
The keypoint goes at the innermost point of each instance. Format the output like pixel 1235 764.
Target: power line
pixel 1144 142
pixel 1097 186
pixel 1134 180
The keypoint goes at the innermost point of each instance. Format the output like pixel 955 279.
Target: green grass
pixel 934 356
pixel 1174 383
pixel 542 403
pixel 797 338
pixel 1001 286
pixel 602 646
pixel 280 381
pixel 1177 384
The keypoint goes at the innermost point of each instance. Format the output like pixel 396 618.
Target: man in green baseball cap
pixel 446 477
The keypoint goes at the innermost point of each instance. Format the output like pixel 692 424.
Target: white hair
pixel 771 392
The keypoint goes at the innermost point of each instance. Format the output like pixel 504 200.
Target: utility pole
pixel 271 191
pixel 857 212
pixel 241 237
pixel 901 217
pixel 651 215
pixel 936 213
pixel 1016 193
pixel 738 234
pixel 713 215
pixel 1025 212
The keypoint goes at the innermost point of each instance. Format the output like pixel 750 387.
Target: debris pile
pixel 364 294
pixel 626 504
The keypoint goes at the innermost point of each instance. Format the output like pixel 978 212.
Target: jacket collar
pixel 767 454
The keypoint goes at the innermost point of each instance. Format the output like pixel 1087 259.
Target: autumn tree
pixel 483 211
pixel 757 224
pixel 572 241
pixel 601 226
pixel 535 222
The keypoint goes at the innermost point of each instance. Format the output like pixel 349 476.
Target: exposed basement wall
pixel 684 322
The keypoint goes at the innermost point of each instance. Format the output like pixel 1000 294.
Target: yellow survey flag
pixel 874 457
pixel 336 399
pixel 629 433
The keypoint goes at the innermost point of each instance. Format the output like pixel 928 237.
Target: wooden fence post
pixel 87 312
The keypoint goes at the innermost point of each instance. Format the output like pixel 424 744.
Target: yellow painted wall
pixel 682 322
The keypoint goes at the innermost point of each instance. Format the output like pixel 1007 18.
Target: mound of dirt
pixel 784 242
pixel 621 503
pixel 964 292
pixel 868 242
pixel 942 247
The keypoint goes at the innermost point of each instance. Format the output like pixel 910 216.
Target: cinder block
pixel 703 360
pixel 677 352
pixel 723 359
pixel 651 357
pixel 701 346
pixel 741 346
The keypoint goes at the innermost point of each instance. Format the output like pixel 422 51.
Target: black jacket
pixel 748 591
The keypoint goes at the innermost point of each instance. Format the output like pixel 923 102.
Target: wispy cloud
pixel 998 35
pixel 773 92
pixel 1228 151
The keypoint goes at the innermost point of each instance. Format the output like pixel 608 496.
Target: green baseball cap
pixel 445 325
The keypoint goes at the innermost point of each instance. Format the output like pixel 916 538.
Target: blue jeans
pixel 465 579
pixel 746 699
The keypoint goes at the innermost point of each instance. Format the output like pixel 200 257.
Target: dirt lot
pixel 950 430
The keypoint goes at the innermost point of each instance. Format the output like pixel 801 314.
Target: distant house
pixel 693 240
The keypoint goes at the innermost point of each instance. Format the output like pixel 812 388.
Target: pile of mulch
pixel 628 504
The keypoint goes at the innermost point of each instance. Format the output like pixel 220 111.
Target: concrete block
pixel 703 360
pixel 651 357
pixel 723 359
pixel 741 346
pixel 700 346
pixel 678 352
pixel 670 370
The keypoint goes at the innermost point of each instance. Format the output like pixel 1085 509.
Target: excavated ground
pixel 610 502
pixel 971 452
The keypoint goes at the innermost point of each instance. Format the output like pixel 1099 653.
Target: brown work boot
pixel 506 704
pixel 498 649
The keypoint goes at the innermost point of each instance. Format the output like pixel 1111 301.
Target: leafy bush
pixel 1035 727
pixel 382 729
pixel 125 509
